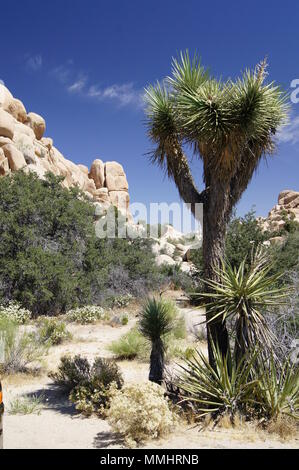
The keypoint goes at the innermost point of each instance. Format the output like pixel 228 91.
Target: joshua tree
pixel 155 323
pixel 230 125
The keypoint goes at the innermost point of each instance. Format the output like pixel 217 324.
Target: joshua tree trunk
pixel 216 214
pixel 242 339
pixel 157 362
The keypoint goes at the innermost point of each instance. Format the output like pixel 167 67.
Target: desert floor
pixel 58 425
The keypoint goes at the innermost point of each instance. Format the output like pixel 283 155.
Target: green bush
pixel 87 314
pixel 19 349
pixel 50 258
pixel 52 332
pixel 129 346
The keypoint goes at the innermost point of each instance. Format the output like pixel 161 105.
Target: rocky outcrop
pixel 23 146
pixel 286 209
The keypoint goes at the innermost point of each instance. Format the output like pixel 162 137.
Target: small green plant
pixel 20 348
pixel 140 412
pixel 124 320
pixel 26 405
pixel 87 314
pixel 129 346
pixel 53 332
pixel 14 311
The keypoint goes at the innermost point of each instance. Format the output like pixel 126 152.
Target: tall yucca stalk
pixel 245 296
pixel 230 125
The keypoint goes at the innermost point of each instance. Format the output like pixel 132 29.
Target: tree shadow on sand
pixel 106 439
pixel 54 399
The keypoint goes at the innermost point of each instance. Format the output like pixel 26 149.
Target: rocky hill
pixel 23 146
pixel 286 209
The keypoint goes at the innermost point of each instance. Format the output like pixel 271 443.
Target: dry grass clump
pixel 285 427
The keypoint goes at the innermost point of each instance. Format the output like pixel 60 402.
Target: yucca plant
pixel 278 388
pixel 224 388
pixel 245 296
pixel 230 125
pixel 155 324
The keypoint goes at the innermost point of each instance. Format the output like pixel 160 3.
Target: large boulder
pixel 120 199
pixel 4 167
pixel 47 142
pixel 97 173
pixel 102 195
pixel 16 108
pixel 25 144
pixel 37 124
pixel 164 259
pixel 4 141
pixel 21 128
pixel 115 177
pixel 5 96
pixel 15 158
pixel 84 169
pixel 6 124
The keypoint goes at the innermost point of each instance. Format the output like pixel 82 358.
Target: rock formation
pixel 286 209
pixel 23 146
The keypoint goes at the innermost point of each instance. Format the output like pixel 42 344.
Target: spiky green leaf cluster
pixel 221 119
pixel 244 296
pixel 155 320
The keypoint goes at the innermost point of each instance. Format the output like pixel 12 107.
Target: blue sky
pixel 83 66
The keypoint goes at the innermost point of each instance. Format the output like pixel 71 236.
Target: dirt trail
pixel 59 426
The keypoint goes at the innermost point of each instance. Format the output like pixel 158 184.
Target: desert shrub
pixel 14 311
pixel 52 332
pixel 94 395
pixel 119 301
pixel 173 275
pixel 244 234
pixel 87 314
pixel 140 412
pixel 19 348
pixel 89 385
pixel 72 371
pixel 129 346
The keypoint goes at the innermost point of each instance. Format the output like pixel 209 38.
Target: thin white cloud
pixel 62 73
pixel 34 62
pixel 290 132
pixel 1 82
pixel 78 85
pixel 123 94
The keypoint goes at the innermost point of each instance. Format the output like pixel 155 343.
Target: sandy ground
pixel 59 426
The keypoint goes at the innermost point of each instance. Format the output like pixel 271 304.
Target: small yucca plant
pixel 245 296
pixel 278 388
pixel 224 388
pixel 155 324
